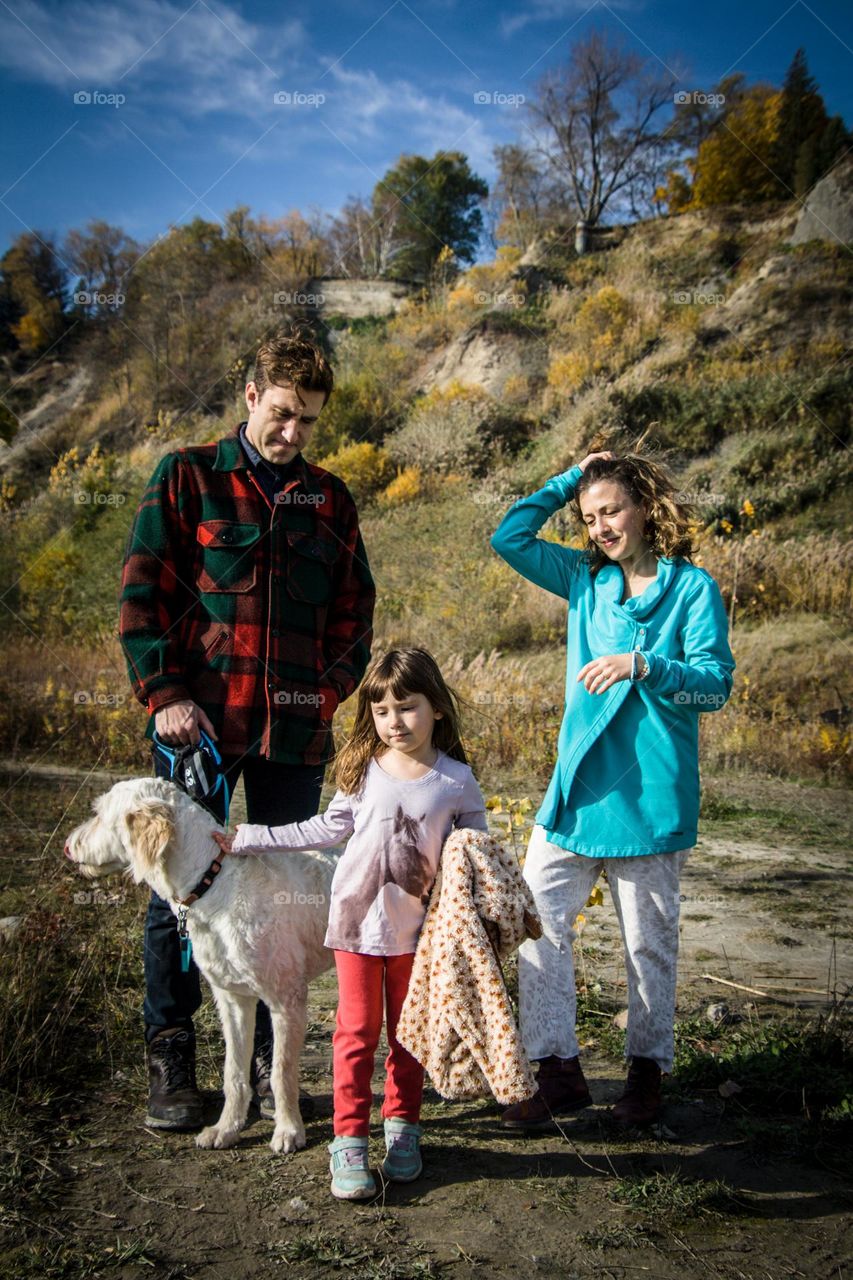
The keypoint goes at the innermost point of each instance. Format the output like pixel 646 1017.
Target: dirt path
pixel 713 1193
pixel 488 1205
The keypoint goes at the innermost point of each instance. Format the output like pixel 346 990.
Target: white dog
pixel 257 932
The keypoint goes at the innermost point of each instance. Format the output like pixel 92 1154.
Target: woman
pixel 648 651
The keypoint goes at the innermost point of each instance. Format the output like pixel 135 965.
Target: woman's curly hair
pixel 671 524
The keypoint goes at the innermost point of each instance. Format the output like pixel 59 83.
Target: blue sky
pixel 182 119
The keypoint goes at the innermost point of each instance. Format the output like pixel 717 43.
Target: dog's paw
pixel 286 1140
pixel 216 1138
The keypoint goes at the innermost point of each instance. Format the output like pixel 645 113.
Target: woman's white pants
pixel 645 893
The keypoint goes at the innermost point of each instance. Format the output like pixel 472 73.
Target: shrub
pixel 459 428
pixel 363 467
pixel 423 326
pixel 517 388
pixel 405 487
pixel 490 284
pixel 598 336
pixel 516 321
pixel 74 697
pixel 606 311
pixel 695 415
pixel 681 419
pixel 363 407
pixel 48 586
pixel 568 373
pixel 90 482
pixel 8 494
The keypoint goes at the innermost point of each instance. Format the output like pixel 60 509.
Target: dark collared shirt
pixel 270 477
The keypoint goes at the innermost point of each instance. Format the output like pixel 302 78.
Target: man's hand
pixel 179 724
pixel 601 673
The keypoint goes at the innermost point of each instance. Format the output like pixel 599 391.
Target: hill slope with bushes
pixel 708 335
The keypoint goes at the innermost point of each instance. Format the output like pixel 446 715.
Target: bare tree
pixel 522 199
pixel 595 124
pixel 365 238
pixel 103 256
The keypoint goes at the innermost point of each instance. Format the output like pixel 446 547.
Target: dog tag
pixel 186 954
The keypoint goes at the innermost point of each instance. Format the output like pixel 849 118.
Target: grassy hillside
pixel 705 333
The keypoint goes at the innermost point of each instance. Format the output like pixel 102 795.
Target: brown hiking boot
pixel 173 1099
pixel 260 1078
pixel 641 1102
pixel 562 1090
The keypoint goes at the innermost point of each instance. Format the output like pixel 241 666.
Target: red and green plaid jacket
pixel 259 612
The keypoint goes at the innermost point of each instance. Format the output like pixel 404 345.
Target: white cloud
pixel 364 110
pixel 562 10
pixel 202 54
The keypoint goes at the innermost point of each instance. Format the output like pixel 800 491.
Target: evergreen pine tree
pixel 802 120
pixel 833 142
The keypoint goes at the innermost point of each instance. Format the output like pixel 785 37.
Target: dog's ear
pixel 150 828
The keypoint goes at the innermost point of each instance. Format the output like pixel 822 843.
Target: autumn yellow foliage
pixel 405 487
pixel 363 467
pixel 735 163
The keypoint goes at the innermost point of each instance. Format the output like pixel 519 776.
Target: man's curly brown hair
pixel 671 524
pixel 293 356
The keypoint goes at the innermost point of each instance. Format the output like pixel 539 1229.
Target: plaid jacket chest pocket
pixel 228 555
pixel 310 567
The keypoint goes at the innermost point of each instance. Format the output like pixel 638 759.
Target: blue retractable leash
pixel 198 770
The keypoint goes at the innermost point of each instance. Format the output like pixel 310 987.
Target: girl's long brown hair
pixel 400 672
pixel 671 521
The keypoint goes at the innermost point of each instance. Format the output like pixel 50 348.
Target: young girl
pixel 648 651
pixel 403 784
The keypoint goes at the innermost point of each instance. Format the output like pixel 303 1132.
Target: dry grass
pixel 812 575
pixel 69 703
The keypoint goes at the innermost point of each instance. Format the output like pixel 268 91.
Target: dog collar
pixel 205 882
pixel 184 905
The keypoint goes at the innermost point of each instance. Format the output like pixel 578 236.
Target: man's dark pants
pixel 275 794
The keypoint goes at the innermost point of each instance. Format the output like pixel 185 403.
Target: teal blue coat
pixel 626 780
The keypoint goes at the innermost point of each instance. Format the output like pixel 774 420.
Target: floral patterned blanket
pixel 457 1019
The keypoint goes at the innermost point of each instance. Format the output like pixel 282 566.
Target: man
pixel 246 612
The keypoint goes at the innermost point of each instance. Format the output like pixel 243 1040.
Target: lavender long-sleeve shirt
pixel 396 828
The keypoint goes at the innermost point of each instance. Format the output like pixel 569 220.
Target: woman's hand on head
pixel 601 673
pixel 608 456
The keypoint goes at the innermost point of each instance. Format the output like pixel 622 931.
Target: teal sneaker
pixel 403 1161
pixel 350 1170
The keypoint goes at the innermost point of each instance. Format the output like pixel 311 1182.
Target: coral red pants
pixel 363 981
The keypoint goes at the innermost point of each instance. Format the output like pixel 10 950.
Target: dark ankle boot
pixel 260 1078
pixel 260 1074
pixel 562 1090
pixel 641 1102
pixel 173 1099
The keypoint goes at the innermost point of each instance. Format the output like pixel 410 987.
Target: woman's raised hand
pixel 608 455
